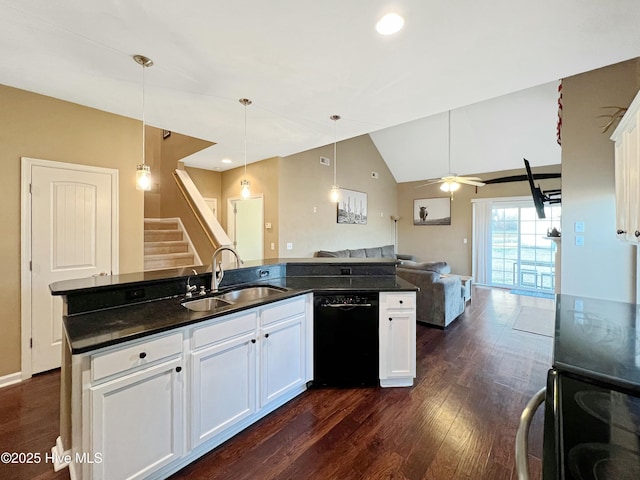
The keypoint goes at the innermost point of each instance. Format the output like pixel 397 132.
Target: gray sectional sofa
pixel 440 299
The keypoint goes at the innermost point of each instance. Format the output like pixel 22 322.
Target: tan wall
pixel 164 200
pixel 446 242
pixel 41 127
pixel 305 184
pixel 604 267
pixel 263 177
pixel 153 157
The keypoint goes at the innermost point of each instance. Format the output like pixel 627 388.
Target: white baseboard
pixel 61 458
pixel 10 379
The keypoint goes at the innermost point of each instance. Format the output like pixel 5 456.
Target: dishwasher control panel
pixel 360 299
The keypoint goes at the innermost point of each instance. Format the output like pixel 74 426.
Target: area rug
pixel 529 293
pixel 540 321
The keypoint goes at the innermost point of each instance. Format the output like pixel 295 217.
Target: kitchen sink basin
pixel 240 295
pixel 205 304
pixel 249 294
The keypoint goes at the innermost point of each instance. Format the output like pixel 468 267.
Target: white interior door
pixel 71 237
pixel 245 225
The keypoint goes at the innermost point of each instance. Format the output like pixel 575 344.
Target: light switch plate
pixel 579 240
pixel 579 227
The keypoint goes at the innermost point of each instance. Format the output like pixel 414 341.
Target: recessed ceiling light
pixel 389 24
pixel 226 160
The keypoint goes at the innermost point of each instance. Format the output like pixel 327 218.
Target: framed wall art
pixel 352 207
pixel 432 211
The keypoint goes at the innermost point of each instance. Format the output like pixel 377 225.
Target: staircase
pixel 166 245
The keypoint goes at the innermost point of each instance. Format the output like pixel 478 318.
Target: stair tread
pixel 168 255
pixel 158 243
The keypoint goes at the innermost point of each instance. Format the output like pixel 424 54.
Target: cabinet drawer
pixel 401 300
pixel 282 310
pixel 222 329
pixel 143 353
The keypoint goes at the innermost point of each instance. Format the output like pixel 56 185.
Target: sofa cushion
pixel 388 251
pixel 324 253
pixel 357 253
pixel 438 267
pixel 375 252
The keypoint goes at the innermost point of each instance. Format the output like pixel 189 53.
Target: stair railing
pixel 207 220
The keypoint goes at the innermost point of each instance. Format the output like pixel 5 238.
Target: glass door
pixel 522 256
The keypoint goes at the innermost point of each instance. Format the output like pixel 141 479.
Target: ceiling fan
pixel 451 181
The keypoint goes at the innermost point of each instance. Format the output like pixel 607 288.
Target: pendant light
pixel 334 194
pixel 143 172
pixel 449 185
pixel 244 183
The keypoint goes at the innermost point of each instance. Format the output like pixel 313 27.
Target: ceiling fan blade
pixel 477 179
pixel 522 178
pixel 468 181
pixel 430 182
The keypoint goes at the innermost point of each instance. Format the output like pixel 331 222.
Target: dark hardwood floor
pixel 459 420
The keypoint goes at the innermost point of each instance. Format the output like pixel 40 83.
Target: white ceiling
pixel 301 61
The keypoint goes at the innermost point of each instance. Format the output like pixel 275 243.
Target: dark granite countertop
pixel 106 282
pixel 598 339
pixel 93 329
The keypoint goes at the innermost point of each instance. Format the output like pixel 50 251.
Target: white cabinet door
pixel 223 386
pixel 397 332
pixel 282 358
pixel 137 422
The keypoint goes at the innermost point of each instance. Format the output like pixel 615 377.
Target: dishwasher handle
pixel 522 435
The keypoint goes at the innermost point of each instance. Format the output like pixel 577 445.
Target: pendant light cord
pixel 245 140
pixel 143 130
pixel 335 149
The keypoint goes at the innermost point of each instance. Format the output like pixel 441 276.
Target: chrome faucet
pixel 191 288
pixel 215 278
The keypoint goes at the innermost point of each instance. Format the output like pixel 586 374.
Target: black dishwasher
pixel 345 339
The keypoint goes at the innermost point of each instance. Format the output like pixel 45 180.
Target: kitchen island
pixel 148 385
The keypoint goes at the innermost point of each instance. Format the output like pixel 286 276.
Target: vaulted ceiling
pixel 301 61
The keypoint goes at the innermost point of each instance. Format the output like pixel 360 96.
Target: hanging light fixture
pixel 334 194
pixel 244 183
pixel 143 172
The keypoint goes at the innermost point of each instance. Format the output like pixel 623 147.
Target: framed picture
pixel 432 211
pixel 352 207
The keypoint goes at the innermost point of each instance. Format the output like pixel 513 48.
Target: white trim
pixel 503 199
pixel 10 379
pixel 212 221
pixel 26 244
pixel 61 457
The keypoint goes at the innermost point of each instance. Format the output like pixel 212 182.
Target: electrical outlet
pixel 579 227
pixel 273 246
pixel 579 240
pixel 289 246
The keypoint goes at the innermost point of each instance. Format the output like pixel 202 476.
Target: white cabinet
pixel 627 173
pixel 223 376
pixel 137 414
pixel 397 330
pixel 245 362
pixel 282 358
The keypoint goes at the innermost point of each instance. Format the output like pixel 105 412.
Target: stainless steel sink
pixel 240 295
pixel 249 294
pixel 205 304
